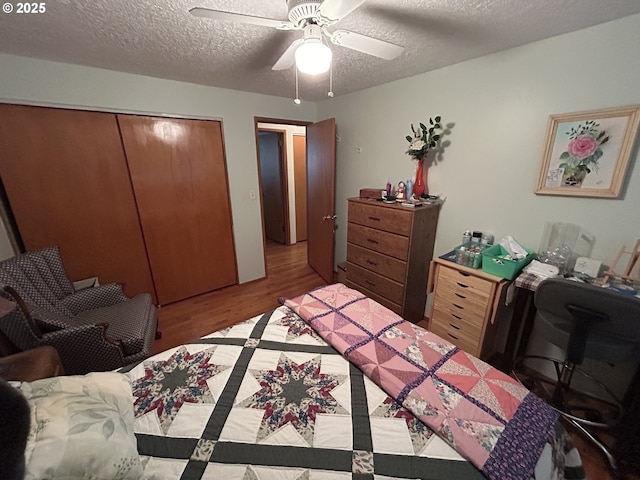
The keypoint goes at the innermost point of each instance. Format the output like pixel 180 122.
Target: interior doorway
pixel 287 151
pixel 281 147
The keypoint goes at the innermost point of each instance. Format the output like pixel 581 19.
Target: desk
pixel 524 312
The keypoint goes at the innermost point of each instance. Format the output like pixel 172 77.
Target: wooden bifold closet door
pixel 179 178
pixel 67 183
pixel 132 199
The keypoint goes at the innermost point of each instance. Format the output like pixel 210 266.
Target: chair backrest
pixel 39 278
pixel 609 322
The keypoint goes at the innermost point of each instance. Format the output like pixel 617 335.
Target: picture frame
pixel 586 154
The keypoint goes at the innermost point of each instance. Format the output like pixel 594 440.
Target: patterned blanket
pixel 268 399
pixel 484 414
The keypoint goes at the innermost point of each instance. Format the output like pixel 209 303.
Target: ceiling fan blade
pixel 364 44
pixel 333 10
pixel 287 59
pixel 241 18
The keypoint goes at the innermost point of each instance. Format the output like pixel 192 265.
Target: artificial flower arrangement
pixel 423 139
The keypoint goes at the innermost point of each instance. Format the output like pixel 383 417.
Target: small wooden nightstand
pixel 467 306
pixel 34 364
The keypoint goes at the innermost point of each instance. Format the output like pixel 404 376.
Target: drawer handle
pixel 462 285
pixel 460 296
pixel 371 262
pixel 371 240
pixel 454 326
pixel 374 219
pixel 452 336
pixel 458 306
pixel 464 274
pixel 456 316
pixel 369 282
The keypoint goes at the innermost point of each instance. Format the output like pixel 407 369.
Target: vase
pixel 420 185
pixel 573 177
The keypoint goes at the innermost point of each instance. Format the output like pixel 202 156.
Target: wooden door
pixel 67 183
pixel 300 185
pixel 321 164
pixel 272 185
pixel 179 177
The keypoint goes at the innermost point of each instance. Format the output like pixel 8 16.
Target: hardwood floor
pixel 289 275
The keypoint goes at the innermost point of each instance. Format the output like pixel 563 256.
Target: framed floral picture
pixel 586 153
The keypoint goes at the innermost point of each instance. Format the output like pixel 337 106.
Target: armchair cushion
pixel 95 328
pixel 94 297
pixel 127 321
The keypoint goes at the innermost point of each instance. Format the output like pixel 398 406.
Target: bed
pixel 275 397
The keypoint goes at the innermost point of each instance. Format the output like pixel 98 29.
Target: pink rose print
pixel 582 146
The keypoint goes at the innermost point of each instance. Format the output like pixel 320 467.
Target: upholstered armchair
pixel 93 329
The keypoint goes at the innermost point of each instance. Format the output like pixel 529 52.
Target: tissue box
pixel 493 262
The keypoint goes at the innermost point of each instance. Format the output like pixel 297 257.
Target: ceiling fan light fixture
pixel 313 57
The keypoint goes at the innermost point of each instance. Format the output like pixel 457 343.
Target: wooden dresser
pixel 467 305
pixel 389 248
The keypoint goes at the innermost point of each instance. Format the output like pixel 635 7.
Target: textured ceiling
pixel 160 38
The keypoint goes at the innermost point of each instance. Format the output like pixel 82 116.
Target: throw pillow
pixel 81 427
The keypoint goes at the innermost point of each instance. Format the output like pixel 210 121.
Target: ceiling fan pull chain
pixel 297 99
pixel 330 93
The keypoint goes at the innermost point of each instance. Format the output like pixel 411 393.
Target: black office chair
pixel 587 321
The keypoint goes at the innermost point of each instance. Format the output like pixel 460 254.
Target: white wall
pixel 30 81
pixel 498 106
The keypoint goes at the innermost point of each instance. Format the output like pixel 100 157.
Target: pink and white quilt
pixel 488 417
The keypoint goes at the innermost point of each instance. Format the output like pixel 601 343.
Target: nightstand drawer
pixel 459 338
pixel 377 262
pixel 476 285
pixel 451 320
pixel 378 216
pixel 379 241
pixel 473 312
pixel 468 296
pixel 389 289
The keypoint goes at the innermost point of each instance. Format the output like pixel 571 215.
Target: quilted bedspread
pixel 484 414
pixel 269 399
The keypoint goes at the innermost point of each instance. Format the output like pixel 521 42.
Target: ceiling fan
pixel 310 53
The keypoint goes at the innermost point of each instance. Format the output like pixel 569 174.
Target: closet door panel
pixel 179 178
pixel 67 183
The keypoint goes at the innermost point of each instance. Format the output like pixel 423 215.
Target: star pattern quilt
pixel 270 399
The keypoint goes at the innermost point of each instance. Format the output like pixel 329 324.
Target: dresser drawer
pixel 378 216
pixel 379 241
pixel 377 262
pixel 389 289
pixel 460 339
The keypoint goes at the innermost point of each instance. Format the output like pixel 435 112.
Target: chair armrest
pixel 95 297
pixel 85 348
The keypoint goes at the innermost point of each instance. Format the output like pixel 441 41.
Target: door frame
pixel 256 128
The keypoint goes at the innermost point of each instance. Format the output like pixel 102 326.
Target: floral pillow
pixel 81 427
